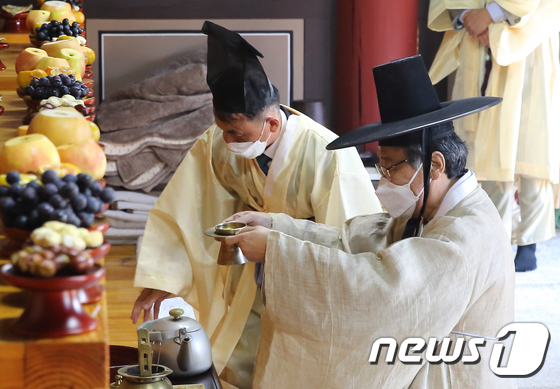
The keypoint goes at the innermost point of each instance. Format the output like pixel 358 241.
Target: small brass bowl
pixel 230 228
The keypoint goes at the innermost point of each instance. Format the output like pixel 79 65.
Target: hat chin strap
pixel 413 224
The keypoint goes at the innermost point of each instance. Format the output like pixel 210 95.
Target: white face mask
pixel 250 150
pixel 398 200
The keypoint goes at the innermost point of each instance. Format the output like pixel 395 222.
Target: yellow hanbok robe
pixel 332 293
pixel 304 181
pixel 521 135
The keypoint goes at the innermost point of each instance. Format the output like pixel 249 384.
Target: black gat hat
pixel 411 113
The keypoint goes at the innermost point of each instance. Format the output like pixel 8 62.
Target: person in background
pixel 508 49
pixel 261 156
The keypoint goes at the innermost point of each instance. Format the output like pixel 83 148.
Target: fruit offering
pixel 57 86
pixel 64 101
pixel 53 261
pixel 54 29
pixel 72 199
pixel 25 77
pixel 27 153
pixel 55 233
pixel 24 179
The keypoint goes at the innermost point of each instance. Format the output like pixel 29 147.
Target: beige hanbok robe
pixel 304 181
pixel 331 294
pixel 521 135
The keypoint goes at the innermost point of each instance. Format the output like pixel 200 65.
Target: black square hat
pixel 235 76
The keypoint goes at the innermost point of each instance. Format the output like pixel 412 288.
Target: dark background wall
pixel 319 21
pixel 319 38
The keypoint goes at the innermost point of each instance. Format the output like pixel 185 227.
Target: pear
pixel 75 59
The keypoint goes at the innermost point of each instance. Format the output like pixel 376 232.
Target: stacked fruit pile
pixel 60 64
pixel 58 249
pixel 52 190
pixel 53 19
pixel 47 262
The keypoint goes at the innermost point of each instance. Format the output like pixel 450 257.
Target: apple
pixel 88 156
pixel 52 62
pixel 59 16
pixel 61 125
pixel 75 58
pixel 52 6
pixel 53 48
pixel 36 16
pixel 26 153
pixel 29 58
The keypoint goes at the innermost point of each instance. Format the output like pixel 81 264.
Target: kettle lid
pixel 173 322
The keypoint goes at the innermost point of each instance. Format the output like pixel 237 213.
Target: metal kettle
pixel 180 343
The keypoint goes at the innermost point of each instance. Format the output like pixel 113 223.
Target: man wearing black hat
pixel 259 156
pixel 438 265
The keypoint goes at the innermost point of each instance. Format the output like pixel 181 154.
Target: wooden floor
pixel 121 265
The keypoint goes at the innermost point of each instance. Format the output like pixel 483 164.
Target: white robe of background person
pixel 210 185
pixel 332 293
pixel 521 135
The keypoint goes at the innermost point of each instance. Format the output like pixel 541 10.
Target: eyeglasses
pixel 384 171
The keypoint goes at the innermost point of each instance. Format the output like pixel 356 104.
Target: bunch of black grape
pixel 54 29
pixel 57 86
pixel 73 199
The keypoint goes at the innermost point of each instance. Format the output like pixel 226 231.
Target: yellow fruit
pixel 27 178
pixel 24 77
pixel 52 6
pixel 65 38
pixel 38 24
pixel 55 71
pixel 22 130
pixel 89 54
pixel 62 126
pixel 24 179
pixel 80 17
pixel 27 153
pixel 60 15
pixel 87 155
pixel 61 169
pixel 95 133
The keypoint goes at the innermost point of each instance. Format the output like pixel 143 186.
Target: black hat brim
pixel 450 110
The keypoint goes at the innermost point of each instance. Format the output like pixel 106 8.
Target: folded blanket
pixel 134 197
pixel 172 89
pixel 123 233
pixel 153 180
pixel 122 205
pixel 126 220
pixel 157 81
pixel 133 113
pixel 137 165
pixel 177 133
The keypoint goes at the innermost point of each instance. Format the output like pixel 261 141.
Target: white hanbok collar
pixel 461 189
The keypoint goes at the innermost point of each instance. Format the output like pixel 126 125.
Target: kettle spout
pixel 185 357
